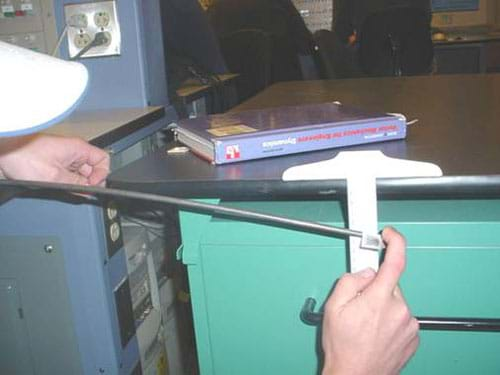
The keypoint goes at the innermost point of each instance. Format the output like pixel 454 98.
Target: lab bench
pixel 250 281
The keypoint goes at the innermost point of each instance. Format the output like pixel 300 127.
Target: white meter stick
pixel 361 169
pixel 362 216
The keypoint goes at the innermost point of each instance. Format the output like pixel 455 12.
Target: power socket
pixel 78 21
pixel 82 40
pixel 85 20
pixel 102 19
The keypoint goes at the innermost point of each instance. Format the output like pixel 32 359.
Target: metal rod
pixel 188 205
pixel 309 317
pixel 307 313
pixel 459 324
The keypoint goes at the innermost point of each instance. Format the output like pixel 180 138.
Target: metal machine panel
pixel 14 340
pixel 36 314
pixel 89 276
pixel 248 283
pixel 131 72
pixel 28 23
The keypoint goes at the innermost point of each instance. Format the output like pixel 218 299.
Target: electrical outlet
pixel 82 40
pixel 102 19
pixel 88 19
pixel 78 21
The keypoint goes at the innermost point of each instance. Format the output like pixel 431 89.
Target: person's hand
pixel 368 327
pixel 54 159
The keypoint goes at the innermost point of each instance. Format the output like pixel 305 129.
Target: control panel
pixel 28 23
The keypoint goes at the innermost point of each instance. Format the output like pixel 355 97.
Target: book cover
pixel 255 134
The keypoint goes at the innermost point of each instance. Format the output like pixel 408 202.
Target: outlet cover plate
pixel 90 10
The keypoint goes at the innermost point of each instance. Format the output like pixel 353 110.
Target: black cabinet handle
pixel 309 317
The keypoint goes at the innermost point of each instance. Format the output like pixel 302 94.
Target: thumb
pixel 394 262
pixel 349 286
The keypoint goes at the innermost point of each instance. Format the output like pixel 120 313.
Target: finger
pixel 349 286
pixel 85 170
pixel 86 154
pixel 98 176
pixel 68 177
pixel 100 170
pixel 394 261
pixel 98 157
pixel 94 163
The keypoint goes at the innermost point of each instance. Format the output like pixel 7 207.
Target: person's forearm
pixel 7 145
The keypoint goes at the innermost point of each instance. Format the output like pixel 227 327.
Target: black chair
pixel 326 48
pixel 249 53
pixel 396 41
pixel 334 59
pixel 192 51
pixel 277 19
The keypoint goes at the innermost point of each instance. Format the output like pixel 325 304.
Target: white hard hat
pixel 36 90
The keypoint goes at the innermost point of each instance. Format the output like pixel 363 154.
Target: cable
pixel 76 22
pixel 188 205
pixel 59 41
pixel 149 228
pixel 143 222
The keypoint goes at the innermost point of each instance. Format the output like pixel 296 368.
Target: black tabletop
pixel 458 129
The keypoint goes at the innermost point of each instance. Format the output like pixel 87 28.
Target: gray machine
pixel 65 294
pixel 28 23
pixel 66 305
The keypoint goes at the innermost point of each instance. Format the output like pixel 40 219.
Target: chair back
pixel 249 53
pixel 396 41
pixel 279 20
pixel 335 59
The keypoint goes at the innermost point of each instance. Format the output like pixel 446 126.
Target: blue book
pixel 263 133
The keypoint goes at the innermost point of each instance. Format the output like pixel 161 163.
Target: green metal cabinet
pixel 249 281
